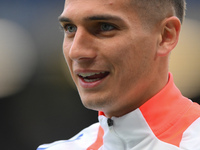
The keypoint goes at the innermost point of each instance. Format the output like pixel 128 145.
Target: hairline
pixel 146 12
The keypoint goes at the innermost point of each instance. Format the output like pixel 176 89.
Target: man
pixel 118 54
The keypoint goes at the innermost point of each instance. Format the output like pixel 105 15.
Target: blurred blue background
pixel 38 101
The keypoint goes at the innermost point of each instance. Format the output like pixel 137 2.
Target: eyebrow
pixel 93 18
pixel 64 19
pixel 103 17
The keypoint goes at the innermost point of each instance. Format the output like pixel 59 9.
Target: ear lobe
pixel 170 29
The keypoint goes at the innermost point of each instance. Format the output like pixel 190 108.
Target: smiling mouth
pixel 93 76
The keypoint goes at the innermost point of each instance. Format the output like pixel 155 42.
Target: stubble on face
pixel 128 55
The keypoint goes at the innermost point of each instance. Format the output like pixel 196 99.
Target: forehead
pixel 85 3
pixel 86 7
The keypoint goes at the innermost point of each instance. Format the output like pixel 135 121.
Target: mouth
pixel 93 76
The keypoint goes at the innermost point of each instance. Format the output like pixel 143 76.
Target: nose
pixel 82 46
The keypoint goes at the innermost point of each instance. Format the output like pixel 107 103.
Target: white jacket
pixel 168 121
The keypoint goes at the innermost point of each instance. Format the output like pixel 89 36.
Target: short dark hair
pixel 180 7
pixel 157 10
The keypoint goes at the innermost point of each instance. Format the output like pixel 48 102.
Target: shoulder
pixel 191 136
pixel 80 141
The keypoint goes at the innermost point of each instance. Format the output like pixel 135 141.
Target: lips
pixel 93 76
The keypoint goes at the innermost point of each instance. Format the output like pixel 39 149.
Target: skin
pixel 108 36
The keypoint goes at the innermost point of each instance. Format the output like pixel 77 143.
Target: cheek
pixel 118 52
pixel 124 56
pixel 131 59
pixel 66 48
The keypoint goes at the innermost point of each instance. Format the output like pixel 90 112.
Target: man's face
pixel 110 55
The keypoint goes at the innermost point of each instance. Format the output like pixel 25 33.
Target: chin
pixel 94 104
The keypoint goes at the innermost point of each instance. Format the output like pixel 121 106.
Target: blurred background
pixel 38 101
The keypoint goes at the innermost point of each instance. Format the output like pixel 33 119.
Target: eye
pixel 106 27
pixel 70 28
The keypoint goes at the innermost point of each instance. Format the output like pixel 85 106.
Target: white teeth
pixel 91 80
pixel 89 74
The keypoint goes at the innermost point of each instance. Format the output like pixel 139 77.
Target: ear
pixel 169 35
